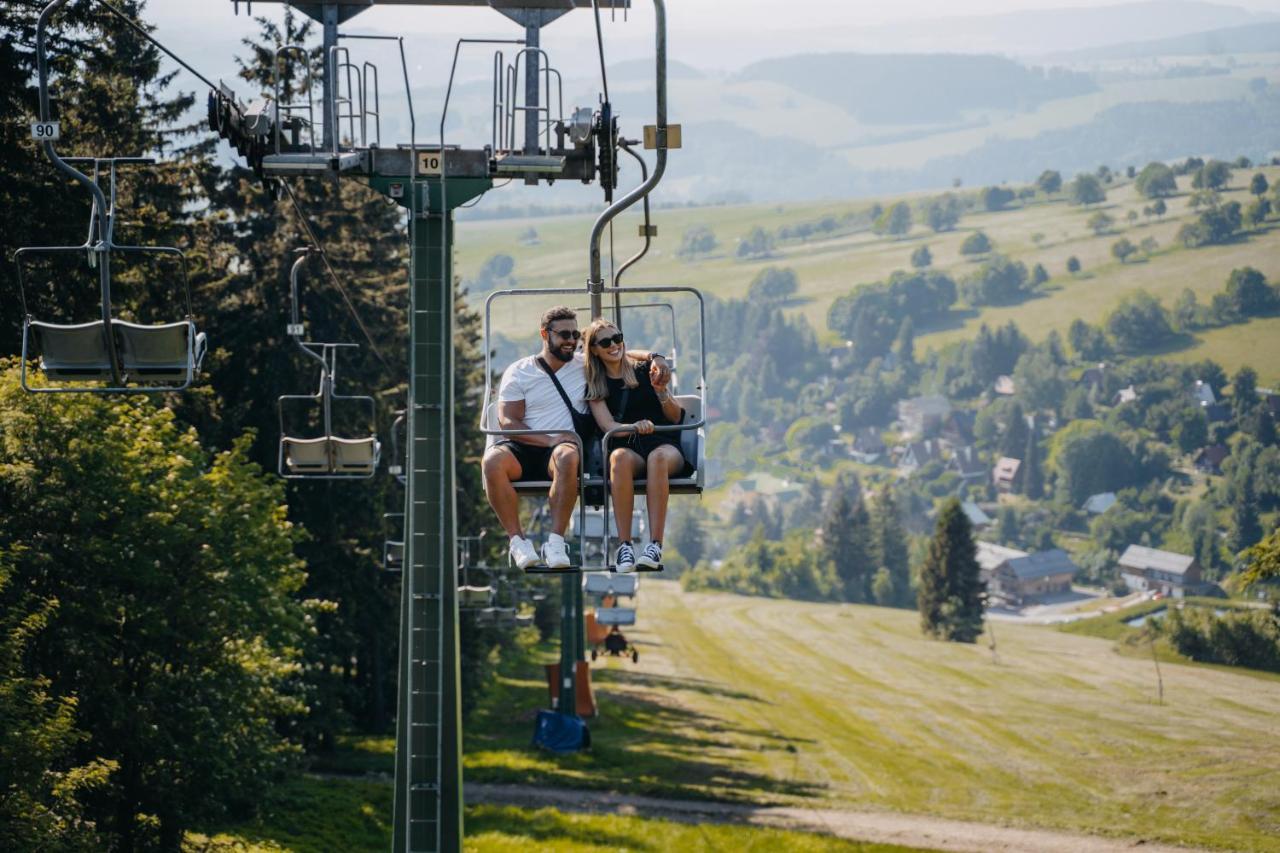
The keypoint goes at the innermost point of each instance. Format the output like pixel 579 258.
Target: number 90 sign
pixel 45 131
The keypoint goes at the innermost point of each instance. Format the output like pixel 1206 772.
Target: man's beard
pixel 560 354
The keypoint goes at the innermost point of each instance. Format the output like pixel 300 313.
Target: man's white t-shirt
pixel 543 407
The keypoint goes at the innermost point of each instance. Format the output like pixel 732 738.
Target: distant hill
pixel 1045 31
pixel 1260 37
pixel 918 88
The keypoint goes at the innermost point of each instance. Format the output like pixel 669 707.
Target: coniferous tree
pixel 949 596
pixel 889 549
pixel 904 346
pixel 845 542
pixel 1014 441
pixel 1246 530
pixel 1032 471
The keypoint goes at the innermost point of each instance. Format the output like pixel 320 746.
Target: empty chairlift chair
pixel 325 455
pixel 119 355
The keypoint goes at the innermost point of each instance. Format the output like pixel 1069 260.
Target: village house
pixel 968 464
pixel 1004 476
pixel 917 454
pixel 1126 395
pixel 1094 376
pixel 1202 393
pixel 1099 503
pixel 921 416
pixel 1170 574
pixel 1209 460
pixel 1005 386
pixel 975 514
pixel 762 486
pixel 991 555
pixel 868 447
pixel 1032 576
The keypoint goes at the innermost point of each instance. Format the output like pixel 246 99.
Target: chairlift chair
pixel 393 544
pixel 327 456
pixel 124 356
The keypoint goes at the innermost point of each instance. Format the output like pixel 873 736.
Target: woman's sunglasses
pixel 565 335
pixel 608 341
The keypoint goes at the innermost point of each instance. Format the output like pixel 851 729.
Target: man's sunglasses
pixel 608 341
pixel 565 335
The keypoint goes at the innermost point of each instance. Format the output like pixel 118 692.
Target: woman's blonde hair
pixel 597 384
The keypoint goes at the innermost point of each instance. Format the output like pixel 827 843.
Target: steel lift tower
pixel 431 181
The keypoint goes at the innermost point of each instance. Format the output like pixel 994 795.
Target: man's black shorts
pixel 535 462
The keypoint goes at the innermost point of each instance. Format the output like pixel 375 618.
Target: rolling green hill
pixel 829 267
pixel 848 706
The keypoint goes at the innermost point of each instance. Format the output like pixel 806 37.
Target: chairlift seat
pixel 354 455
pixel 306 455
pixel 167 352
pixel 616 615
pixel 72 353
pixel 610 584
pixel 524 620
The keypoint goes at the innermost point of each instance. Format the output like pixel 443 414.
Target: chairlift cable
pixel 604 77
pixel 136 27
pixel 333 276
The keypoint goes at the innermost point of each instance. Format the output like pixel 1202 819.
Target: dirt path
pixel 930 833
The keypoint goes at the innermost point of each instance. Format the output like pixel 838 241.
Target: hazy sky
pixel 709 34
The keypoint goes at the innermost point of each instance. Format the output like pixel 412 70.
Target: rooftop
pixel 1042 564
pixel 991 555
pixel 1140 557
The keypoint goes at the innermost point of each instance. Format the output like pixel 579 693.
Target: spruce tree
pixel 1032 472
pixel 1246 530
pixel 845 544
pixel 889 549
pixel 904 346
pixel 1014 441
pixel 950 593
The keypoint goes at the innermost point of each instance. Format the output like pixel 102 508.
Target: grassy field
pixel 776 701
pixel 784 703
pixel 1046 233
pixel 311 815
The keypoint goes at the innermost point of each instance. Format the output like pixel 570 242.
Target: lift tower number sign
pixel 430 162
pixel 46 131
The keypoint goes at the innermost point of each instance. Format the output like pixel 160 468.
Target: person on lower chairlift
pixel 545 392
pixel 623 390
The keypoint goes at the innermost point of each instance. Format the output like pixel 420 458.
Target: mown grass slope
pixel 311 815
pixel 1041 232
pixel 778 701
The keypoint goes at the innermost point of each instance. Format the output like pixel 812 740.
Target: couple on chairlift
pixel 551 392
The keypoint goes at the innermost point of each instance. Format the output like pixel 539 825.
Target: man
pixel 528 399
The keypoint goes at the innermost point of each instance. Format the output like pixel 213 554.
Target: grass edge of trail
pixel 307 814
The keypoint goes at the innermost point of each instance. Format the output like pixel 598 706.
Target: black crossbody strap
pixel 563 396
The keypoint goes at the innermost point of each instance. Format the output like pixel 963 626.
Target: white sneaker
pixel 651 556
pixel 522 553
pixel 555 554
pixel 626 561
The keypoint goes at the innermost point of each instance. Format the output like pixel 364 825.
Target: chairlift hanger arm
pixel 595 281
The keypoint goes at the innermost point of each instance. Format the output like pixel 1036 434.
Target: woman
pixel 623 392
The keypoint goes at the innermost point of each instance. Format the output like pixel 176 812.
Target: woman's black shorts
pixel 646 444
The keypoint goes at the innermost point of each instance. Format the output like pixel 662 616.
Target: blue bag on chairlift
pixel 561 733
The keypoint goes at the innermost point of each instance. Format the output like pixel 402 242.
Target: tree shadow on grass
pixel 661 682
pixel 641 743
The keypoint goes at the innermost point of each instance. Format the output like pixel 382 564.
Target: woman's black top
pixel 641 404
